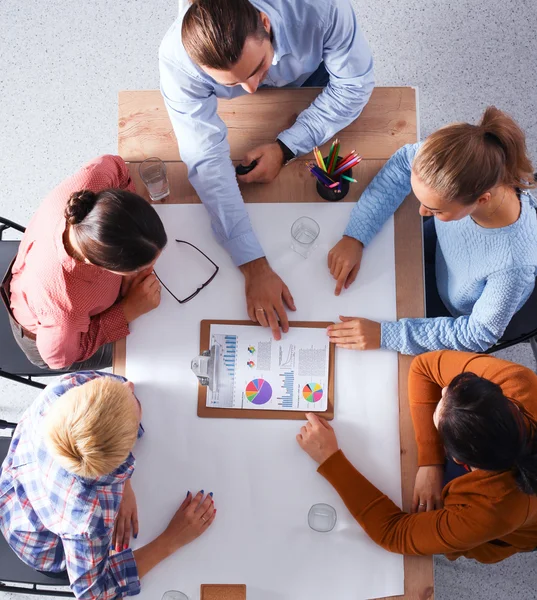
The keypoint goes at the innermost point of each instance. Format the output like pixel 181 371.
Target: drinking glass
pixel 304 232
pixel 174 595
pixel 322 518
pixel 153 174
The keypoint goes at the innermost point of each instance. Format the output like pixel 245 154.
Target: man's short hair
pixel 214 31
pixel 91 429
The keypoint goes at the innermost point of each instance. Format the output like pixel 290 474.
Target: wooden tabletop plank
pixel 293 184
pixel 387 122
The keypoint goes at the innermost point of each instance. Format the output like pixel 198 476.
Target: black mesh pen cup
pixel 337 193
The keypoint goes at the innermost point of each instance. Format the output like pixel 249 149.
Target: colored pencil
pixel 349 179
pixel 331 153
pixel 348 165
pixel 321 160
pixel 334 157
pixel 348 158
pixel 316 156
pixel 322 176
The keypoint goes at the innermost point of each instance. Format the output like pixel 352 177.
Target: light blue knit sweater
pixel 483 275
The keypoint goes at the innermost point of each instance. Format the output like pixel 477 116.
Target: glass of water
pixel 174 595
pixel 153 174
pixel 304 232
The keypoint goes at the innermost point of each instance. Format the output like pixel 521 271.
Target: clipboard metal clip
pixel 204 367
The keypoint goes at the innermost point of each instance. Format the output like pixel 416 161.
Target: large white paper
pixel 255 371
pixel 263 483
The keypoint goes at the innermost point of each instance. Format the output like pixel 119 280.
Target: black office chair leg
pixel 19 379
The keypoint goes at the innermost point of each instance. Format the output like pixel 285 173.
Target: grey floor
pixel 62 63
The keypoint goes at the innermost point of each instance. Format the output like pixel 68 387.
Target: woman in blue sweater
pixel 480 244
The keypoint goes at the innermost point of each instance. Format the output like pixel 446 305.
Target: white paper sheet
pixel 255 371
pixel 263 483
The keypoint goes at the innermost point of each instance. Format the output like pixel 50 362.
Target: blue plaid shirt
pixel 55 520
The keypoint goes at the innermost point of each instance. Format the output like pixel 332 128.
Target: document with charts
pixel 254 371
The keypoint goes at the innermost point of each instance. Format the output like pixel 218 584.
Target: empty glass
pixel 153 174
pixel 174 595
pixel 322 518
pixel 304 232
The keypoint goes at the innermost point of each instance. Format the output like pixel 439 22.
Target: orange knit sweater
pixel 485 516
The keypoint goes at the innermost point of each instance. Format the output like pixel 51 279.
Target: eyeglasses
pixel 204 285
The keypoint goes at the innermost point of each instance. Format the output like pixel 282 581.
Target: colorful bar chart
pixel 289 385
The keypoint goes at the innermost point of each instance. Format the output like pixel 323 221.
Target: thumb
pixel 288 299
pixel 344 319
pixel 250 156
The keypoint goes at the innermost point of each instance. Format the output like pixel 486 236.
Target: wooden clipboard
pixel 246 413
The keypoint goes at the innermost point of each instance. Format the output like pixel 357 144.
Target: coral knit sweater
pixel 485 516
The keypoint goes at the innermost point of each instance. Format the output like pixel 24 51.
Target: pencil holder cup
pixel 337 193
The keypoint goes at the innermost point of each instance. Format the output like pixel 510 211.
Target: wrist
pixel 128 311
pixel 168 544
pixel 348 237
pixel 255 267
pixel 287 154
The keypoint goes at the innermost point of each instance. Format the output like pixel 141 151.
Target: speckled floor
pixel 62 64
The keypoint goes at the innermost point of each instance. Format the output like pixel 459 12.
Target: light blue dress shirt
pixel 306 32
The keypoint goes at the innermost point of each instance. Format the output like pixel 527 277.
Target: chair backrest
pixel 12 569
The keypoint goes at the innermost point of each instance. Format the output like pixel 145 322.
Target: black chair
pixel 13 362
pixel 12 569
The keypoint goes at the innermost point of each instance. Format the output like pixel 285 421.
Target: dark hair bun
pixel 79 206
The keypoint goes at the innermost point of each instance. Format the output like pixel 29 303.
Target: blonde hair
pixel 92 428
pixel 462 162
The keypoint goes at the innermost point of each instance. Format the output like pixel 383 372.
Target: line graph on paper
pixel 287 359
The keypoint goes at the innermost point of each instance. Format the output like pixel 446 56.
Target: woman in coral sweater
pixel 476 488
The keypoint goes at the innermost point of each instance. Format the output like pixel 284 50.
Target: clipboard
pixel 246 413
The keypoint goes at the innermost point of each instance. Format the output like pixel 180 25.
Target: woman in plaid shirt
pixel 65 492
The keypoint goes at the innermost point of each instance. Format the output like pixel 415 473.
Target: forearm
pixel 150 555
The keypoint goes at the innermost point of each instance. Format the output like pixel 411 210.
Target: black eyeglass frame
pixel 204 285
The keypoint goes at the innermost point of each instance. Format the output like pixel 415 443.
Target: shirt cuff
pixel 114 323
pixel 390 335
pixel 361 234
pixel 297 139
pixel 244 248
pixel 125 571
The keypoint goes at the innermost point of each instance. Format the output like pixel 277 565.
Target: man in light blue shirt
pixel 226 48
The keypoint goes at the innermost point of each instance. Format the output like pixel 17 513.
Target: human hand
pixel 126 281
pixel 428 489
pixel 126 517
pixel 266 294
pixel 355 334
pixel 269 159
pixel 344 261
pixel 317 438
pixel 192 519
pixel 142 297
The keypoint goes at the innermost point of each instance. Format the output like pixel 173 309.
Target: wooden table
pixel 387 123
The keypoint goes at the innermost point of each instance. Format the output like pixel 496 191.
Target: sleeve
pixel 349 63
pixel 108 171
pixel 202 138
pixel 62 344
pixel 383 196
pixel 504 293
pixel 451 529
pixel 429 373
pixel 96 574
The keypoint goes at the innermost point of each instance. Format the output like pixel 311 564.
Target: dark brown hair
pixel 461 162
pixel 214 31
pixel 482 428
pixel 115 229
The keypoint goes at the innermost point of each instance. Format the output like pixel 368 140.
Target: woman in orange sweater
pixel 470 412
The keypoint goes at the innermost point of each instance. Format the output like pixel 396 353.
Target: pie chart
pixel 312 392
pixel 258 391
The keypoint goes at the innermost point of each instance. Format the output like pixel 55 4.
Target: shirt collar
pixel 280 42
pixel 120 475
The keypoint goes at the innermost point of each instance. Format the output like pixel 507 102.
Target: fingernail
pixel 211 494
pixel 202 492
pixel 118 548
pixel 187 494
pixel 135 536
